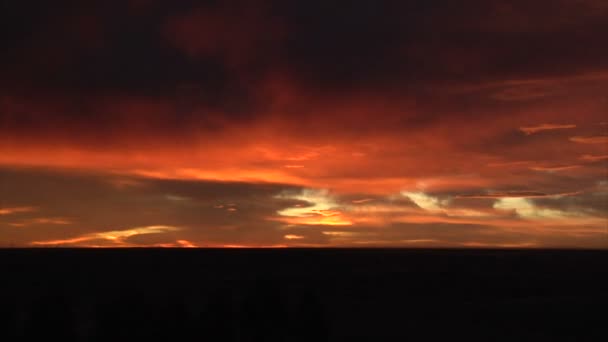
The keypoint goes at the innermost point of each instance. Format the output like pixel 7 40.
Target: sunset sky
pixel 412 123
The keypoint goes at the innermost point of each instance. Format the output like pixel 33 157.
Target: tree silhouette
pixel 310 319
pixel 50 319
pixel 218 319
pixel 8 320
pixel 263 314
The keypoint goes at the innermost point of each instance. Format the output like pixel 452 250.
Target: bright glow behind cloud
pixel 525 208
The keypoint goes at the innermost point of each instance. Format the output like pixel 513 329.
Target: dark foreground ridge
pixel 303 295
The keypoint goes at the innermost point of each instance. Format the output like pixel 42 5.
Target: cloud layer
pixel 413 123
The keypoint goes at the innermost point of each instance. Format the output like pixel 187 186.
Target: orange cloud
pixel 517 194
pixel 41 221
pixel 247 119
pixel 554 168
pixel 114 238
pixel 16 210
pixel 176 244
pixel 544 127
pixel 321 209
pixel 590 140
pixel 594 158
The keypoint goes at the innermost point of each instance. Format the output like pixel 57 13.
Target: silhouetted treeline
pixel 302 295
pixel 147 313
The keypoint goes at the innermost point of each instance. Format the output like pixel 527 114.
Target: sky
pixel 411 123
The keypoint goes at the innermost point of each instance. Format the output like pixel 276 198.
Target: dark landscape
pixel 303 295
pixel 205 170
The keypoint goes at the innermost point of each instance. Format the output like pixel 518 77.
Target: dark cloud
pixel 215 56
pixel 592 203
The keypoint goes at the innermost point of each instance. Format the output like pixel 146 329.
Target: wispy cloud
pixel 363 200
pixel 594 158
pixel 526 209
pixel 16 210
pixel 554 168
pixel 42 221
pixel 114 238
pixel 600 139
pixel 517 194
pixel 322 209
pixel 340 234
pixel 176 244
pixel 499 245
pixel 545 127
pixel 424 201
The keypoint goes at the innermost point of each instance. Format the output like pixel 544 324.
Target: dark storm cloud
pixel 69 65
pixel 98 46
pixel 215 55
pixel 409 43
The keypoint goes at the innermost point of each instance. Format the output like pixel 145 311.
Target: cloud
pixel 531 233
pixel 16 210
pixel 320 208
pixel 544 127
pixel 340 233
pixel 185 243
pixel 116 238
pixel 208 32
pixel 142 116
pixel 319 217
pixel 425 201
pixel 516 194
pixel 593 158
pixel 362 200
pixel 41 221
pixel 526 209
pixel 92 204
pixel 176 244
pixel 590 203
pixel 554 168
pixel 590 139
pixel 527 92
